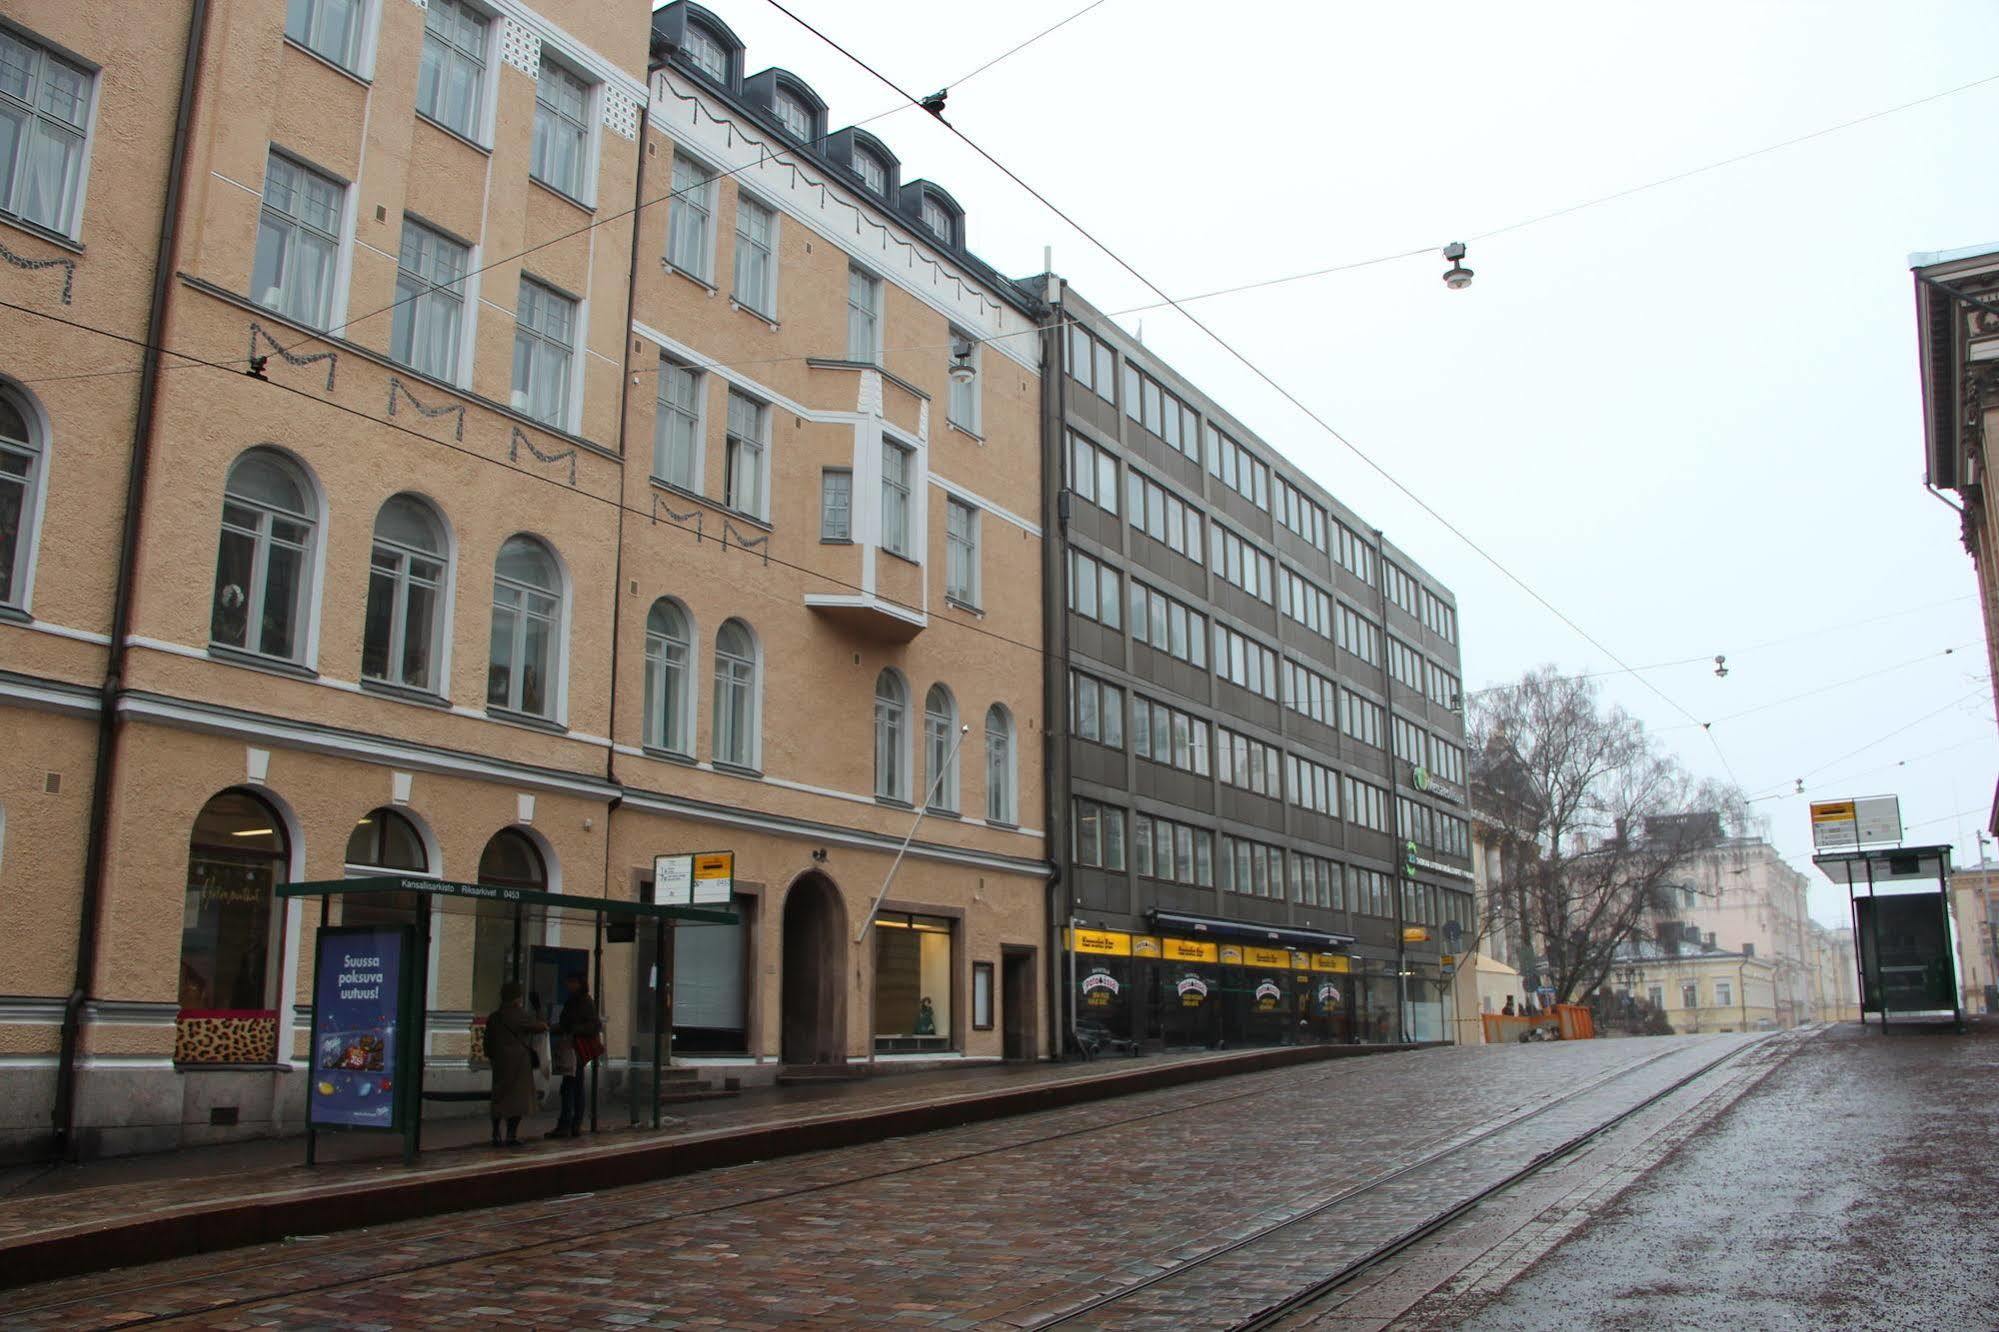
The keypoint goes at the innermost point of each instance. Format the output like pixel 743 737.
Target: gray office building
pixel 1257 802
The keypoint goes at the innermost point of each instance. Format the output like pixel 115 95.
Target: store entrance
pixel 1017 1004
pixel 814 998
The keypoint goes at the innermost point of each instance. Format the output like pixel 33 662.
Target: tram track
pixel 1101 1310
pixel 537 1217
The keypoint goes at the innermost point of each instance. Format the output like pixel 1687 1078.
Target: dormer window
pixel 706 54
pixel 937 219
pixel 872 171
pixel 795 116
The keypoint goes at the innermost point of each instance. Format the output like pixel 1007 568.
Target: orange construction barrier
pixel 1576 1023
pixel 1571 1022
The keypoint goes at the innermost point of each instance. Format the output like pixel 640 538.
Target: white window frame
pixel 481 129
pixel 440 618
pixel 844 534
pixel 940 751
pixel 871 354
pixel 763 304
pixel 457 292
pixel 898 498
pixel 360 62
pixel 667 412
pixel 685 202
pixel 862 154
pixel 970 594
pixel 731 438
pixel 752 758
pixel 308 595
pixel 571 404
pixel 1002 801
pixel 72 224
pixel 34 496
pixel 558 684
pixel 685 709
pixel 781 98
pixel 892 738
pixel 336 299
pixel 696 32
pixel 593 92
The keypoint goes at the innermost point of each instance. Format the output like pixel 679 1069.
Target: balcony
pixel 867 615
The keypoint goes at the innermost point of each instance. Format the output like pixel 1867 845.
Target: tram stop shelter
pixel 406 950
pixel 1901 929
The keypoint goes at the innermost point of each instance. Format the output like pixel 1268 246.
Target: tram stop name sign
pixel 703 878
pixel 1845 825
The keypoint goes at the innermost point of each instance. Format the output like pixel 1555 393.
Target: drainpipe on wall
pixel 104 769
pixel 1054 679
pixel 1397 858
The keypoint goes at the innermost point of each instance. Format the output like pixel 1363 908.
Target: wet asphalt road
pixel 1856 1187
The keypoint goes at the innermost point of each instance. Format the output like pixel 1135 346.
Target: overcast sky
pixel 1689 418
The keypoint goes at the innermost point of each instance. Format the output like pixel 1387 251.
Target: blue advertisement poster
pixel 357 1011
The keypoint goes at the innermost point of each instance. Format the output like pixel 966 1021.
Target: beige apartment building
pixel 384 494
pixel 1836 974
pixel 1701 988
pixel 1744 896
pixel 1974 910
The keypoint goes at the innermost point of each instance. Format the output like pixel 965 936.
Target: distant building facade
pixel 1974 909
pixel 1701 988
pixel 1744 895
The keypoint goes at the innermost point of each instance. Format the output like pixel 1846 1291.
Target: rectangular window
pixel 756 257
pixel 1091 362
pixel 676 449
pixel 1359 636
pixel 1176 852
pixel 1164 516
pixel 1443 686
pixel 1254 869
pixel 963 373
pixel 1689 995
pixel 895 498
pixel 1248 763
pixel 544 341
pixel 743 456
pixel 982 996
pixel 430 305
pixel 1360 718
pixel 1095 590
pixel 328 28
pixel 561 151
pixel 689 211
pixel 1399 586
pixel 1302 514
pixel 961 552
pixel 1167 625
pixel 1312 786
pixel 1366 804
pixel 1309 694
pixel 1244 662
pixel 1096 710
pixel 1098 835
pixel 298 241
pixel 1315 882
pixel 1160 411
pixel 1169 736
pixel 1093 473
pixel 836 504
pixel 864 295
pixel 914 982
pixel 1355 555
pixel 452 74
pixel 44 111
pixel 1724 994
pixel 1405 664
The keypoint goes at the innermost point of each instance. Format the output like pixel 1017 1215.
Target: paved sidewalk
pixel 57 1220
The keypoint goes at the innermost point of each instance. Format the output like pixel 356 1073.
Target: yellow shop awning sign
pixel 1104 943
pixel 1187 950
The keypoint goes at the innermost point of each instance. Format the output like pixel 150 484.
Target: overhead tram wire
pixel 1883 739
pixel 1776 794
pixel 1263 375
pixel 1836 684
pixel 768 153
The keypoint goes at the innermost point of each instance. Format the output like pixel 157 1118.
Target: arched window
pixel 872 171
pixel 735 695
pixel 891 737
pixel 20 489
pixel 236 855
pixel 940 749
pixel 527 628
pixel 669 698
pixel 387 840
pixel 999 766
pixel 512 860
pixel 403 637
pixel 263 570
pixel 502 933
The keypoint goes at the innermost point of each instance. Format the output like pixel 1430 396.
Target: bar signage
pixel 1232 954
pixel 1104 943
pixel 1266 957
pixel 1188 950
pixel 1338 963
pixel 1144 945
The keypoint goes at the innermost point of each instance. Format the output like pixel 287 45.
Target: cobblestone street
pixel 1007 1224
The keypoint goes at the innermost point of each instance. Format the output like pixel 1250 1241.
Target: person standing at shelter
pixel 510 1033
pixel 578 1039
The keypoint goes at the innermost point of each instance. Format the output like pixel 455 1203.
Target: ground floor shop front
pixel 196 1024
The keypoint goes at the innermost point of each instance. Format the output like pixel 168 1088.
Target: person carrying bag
pixel 510 1036
pixel 578 1039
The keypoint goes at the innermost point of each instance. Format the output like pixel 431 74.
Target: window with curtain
pixel 328 28
pixel 263 567
pixel 453 69
pixel 999 766
pixel 735 695
pixel 706 53
pixel 937 219
pixel 940 749
pixel 20 480
pixel 676 451
pixel 527 627
pixel 743 456
pixel 561 152
pixel 688 214
pixel 864 294
pixel 756 257
pixel 795 116
pixel 895 498
pixel 872 171
pixel 44 111
pixel 430 304
pixel 402 639
pixel 544 343
pixel 298 241
pixel 891 737
pixel 669 679
pixel 961 552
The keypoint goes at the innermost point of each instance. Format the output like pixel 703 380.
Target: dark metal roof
pixel 1216 927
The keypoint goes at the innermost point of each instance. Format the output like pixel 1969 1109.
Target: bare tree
pixel 1595 822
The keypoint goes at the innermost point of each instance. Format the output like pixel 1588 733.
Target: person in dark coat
pixel 579 1034
pixel 510 1033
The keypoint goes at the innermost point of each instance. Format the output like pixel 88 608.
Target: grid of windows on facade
pixel 1400 587
pixel 1254 869
pixel 1443 686
pixel 1162 515
pixel 1097 835
pixel 1431 904
pixel 1168 625
pixel 1155 407
pixel 1245 663
pixel 1305 601
pixel 1440 617
pixel 1093 473
pixel 1313 786
pixel 1317 882
pixel 1366 804
pixel 1090 362
pixel 1177 852
pixel 1239 469
pixel 1309 694
pixel 1168 735
pixel 1433 828
pixel 1354 554
pixel 1361 718
pixel 1234 559
pixel 1362 637
pixel 1405 664
pixel 1373 892
pixel 1246 762
pixel 1302 514
pixel 1096 710
pixel 1095 590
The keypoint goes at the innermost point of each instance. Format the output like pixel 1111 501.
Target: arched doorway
pixel 815 973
